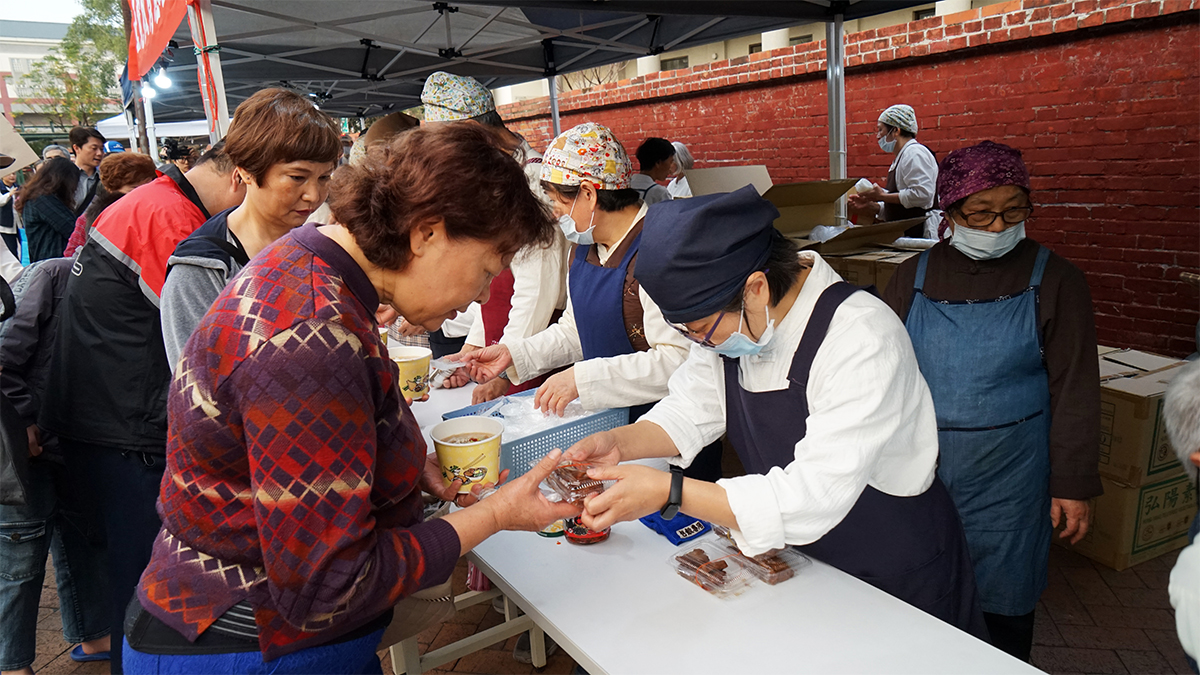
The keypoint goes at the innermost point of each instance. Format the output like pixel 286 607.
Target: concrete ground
pixel 1090 620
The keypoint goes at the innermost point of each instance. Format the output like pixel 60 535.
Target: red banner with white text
pixel 153 23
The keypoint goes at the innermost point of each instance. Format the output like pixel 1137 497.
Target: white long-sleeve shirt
pixel 916 182
pixel 1184 590
pixel 613 382
pixel 870 418
pixel 539 288
pixel 539 273
pixel 462 323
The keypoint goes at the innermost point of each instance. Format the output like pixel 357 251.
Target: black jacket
pixel 48 225
pixel 27 339
pixel 109 374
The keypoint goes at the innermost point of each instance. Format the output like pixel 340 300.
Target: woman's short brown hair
pixel 276 126
pixel 124 169
pixel 455 172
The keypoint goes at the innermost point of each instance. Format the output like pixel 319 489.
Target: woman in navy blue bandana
pixel 818 390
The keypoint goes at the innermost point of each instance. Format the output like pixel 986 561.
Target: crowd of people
pixel 230 480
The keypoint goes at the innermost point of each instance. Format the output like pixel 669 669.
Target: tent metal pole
pixel 208 68
pixel 130 127
pixel 835 74
pixel 553 81
pixel 151 133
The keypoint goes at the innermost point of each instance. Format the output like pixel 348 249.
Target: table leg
pixel 406 657
pixel 537 644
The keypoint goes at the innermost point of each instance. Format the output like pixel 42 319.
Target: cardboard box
pixel 840 264
pixel 861 268
pixel 1134 448
pixel 1133 524
pixel 802 206
pixel 885 268
pixel 857 238
pixel 728 178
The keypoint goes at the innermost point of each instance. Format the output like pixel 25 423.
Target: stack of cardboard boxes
pixel 873 268
pixel 1148 501
pixel 863 255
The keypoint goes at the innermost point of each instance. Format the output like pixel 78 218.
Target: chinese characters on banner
pixel 153 24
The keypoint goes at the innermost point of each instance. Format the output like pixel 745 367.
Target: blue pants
pixel 120 489
pixel 352 657
pixel 28 533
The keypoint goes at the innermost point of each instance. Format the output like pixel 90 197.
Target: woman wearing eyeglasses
pixel 816 387
pixel 1005 335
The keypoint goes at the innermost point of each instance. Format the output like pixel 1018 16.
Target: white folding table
pixel 618 607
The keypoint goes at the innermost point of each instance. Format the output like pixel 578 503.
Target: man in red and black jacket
pixel 106 391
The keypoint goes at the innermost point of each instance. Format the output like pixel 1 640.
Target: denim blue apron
pixel 597 296
pixel 983 362
pixel 910 547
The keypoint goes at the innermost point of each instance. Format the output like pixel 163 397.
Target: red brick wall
pixel 1102 96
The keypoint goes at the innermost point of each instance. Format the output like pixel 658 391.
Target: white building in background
pixel 730 49
pixel 22 43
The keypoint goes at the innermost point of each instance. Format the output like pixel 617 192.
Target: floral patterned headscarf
pixel 450 98
pixel 587 152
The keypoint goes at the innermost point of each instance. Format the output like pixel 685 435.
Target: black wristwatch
pixel 671 508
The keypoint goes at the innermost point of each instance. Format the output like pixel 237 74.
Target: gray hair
pixel 683 156
pixel 1181 414
pixel 52 147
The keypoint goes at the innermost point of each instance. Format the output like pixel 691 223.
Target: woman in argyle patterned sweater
pixel 291 502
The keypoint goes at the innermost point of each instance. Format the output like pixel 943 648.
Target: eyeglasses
pixel 980 219
pixel 706 340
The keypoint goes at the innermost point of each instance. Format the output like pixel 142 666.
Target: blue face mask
pixel 567 224
pixel 739 344
pixel 982 245
pixel 887 146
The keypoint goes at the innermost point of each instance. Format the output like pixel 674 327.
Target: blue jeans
pixel 120 489
pixel 354 657
pixel 27 534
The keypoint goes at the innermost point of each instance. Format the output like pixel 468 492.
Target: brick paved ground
pixel 1090 620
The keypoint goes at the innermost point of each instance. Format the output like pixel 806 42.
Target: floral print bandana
pixel 587 152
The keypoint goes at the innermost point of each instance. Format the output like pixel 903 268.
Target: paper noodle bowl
pixel 413 363
pixel 473 461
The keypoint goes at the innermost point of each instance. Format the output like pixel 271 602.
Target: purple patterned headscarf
pixel 976 168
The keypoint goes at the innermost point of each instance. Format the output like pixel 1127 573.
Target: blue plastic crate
pixel 517 456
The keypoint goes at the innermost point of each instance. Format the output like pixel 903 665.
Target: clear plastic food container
pixel 771 567
pixel 774 566
pixel 571 483
pixel 712 568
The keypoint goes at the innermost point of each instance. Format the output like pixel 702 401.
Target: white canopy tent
pixel 114 128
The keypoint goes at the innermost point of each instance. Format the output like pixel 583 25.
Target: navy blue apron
pixel 910 547
pixel 983 362
pixel 597 296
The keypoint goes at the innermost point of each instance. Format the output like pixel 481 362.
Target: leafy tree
pixel 78 78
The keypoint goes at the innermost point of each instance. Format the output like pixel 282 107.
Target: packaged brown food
pixel 716 571
pixel 571 482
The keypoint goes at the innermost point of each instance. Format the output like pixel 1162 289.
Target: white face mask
pixel 983 245
pixel 567 224
pixel 887 146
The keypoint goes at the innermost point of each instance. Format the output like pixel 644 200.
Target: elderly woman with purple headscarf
pixel 1005 337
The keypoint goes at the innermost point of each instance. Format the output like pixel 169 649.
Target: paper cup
pixel 472 461
pixel 413 363
pixel 383 333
